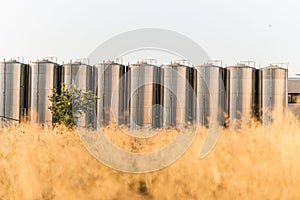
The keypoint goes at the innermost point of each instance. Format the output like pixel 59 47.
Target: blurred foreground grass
pixel 253 163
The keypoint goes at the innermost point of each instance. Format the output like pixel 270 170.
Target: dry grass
pixel 256 163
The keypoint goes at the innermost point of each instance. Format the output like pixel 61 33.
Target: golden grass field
pixel 51 163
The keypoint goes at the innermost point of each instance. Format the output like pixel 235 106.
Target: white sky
pixel 266 31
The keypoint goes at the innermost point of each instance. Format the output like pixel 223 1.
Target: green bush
pixel 70 104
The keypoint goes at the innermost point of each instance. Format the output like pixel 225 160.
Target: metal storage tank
pixel 210 95
pixel 272 92
pixel 109 87
pixel 80 74
pixel 144 98
pixel 241 94
pixel 44 76
pixel 179 84
pixel 13 90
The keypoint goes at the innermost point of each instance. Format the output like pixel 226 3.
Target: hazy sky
pixel 266 31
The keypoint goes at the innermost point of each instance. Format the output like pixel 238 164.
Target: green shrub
pixel 70 104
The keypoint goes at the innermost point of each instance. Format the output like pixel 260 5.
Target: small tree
pixel 70 104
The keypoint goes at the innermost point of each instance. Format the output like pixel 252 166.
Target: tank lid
pixel 108 62
pixel 80 61
pixel 175 64
pixel 273 67
pixel 209 65
pixel 11 61
pixel 143 63
pixel 42 61
pixel 75 63
pixel 14 60
pixel 239 65
pixel 46 60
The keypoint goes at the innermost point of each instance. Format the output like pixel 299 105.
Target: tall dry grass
pixel 254 163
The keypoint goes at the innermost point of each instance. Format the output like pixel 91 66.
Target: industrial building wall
pixel 294 95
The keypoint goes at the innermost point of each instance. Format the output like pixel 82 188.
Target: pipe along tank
pixel 109 87
pixel 13 90
pixel 179 83
pixel 210 95
pixel 44 75
pixel 80 74
pixel 272 92
pixel 144 95
pixel 241 89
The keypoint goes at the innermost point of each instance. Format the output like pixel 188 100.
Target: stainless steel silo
pixel 80 74
pixel 241 94
pixel 13 90
pixel 144 98
pixel 109 87
pixel 179 84
pixel 272 92
pixel 44 76
pixel 210 95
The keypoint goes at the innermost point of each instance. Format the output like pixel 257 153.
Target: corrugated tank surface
pixel 272 92
pixel 179 99
pixel 109 87
pixel 79 74
pixel 143 82
pixel 241 90
pixel 44 76
pixel 210 95
pixel 13 90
